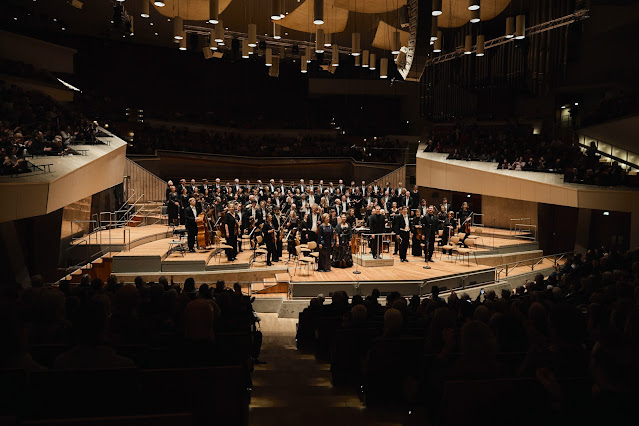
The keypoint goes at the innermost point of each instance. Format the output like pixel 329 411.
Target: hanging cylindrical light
pixel 274 71
pixel 437 44
pixel 252 35
pixel 468 45
pixel 277 30
pixel 212 42
pixel 433 28
pixel 159 3
pixel 303 65
pixel 355 44
pixel 437 7
pixel 318 12
pixel 480 46
pixel 268 57
pixel 372 64
pixel 473 5
pixel 309 53
pixel 401 59
pixel 335 56
pixel 395 43
pixel 178 27
pixel 183 42
pixel 328 40
pixel 214 11
pixel 510 27
pixel 145 8
pixel 319 41
pixel 365 58
pixel 383 68
pixel 474 16
pixel 357 60
pixel 520 27
pixel 275 10
pixel 245 48
pixel 219 33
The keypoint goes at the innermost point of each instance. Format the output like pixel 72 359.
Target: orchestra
pixel 340 218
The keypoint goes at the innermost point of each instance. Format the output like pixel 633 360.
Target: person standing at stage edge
pixel 377 226
pixel 429 226
pixel 190 214
pixel 231 228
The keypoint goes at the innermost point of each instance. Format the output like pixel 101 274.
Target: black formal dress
pixel 277 224
pixel 325 240
pixel 184 203
pixel 173 208
pixel 291 242
pixel 191 226
pixel 464 217
pixel 230 222
pixel 342 256
pixel 416 229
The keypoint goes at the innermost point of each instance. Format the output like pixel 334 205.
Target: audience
pixel 516 148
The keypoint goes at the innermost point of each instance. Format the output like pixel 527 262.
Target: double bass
pixel 203 230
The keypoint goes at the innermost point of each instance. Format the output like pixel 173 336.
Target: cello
pixel 203 231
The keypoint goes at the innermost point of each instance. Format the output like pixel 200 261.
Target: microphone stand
pixel 427 247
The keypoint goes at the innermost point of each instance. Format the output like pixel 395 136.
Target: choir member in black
pixel 269 238
pixel 429 223
pixel 351 219
pixel 278 224
pixel 173 206
pixel 402 229
pixel 184 203
pixel 465 217
pixel 325 240
pixel 449 226
pixel 342 256
pixel 334 218
pixel 416 228
pixel 292 228
pixel 414 198
pixel 376 225
pixel 190 214
pixel 232 228
pixel 303 227
pixel 169 184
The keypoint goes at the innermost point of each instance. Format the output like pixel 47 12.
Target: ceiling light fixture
pixel 214 11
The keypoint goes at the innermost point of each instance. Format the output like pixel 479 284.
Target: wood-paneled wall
pixel 143 182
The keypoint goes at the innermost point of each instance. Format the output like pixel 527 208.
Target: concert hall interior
pixel 314 212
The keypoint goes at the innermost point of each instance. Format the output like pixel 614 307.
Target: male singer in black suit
pixel 401 227
pixel 376 224
pixel 191 227
pixel 429 224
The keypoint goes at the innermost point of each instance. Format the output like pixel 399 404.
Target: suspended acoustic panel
pixel 370 6
pixel 301 19
pixel 190 10
pixel 455 13
pixel 384 36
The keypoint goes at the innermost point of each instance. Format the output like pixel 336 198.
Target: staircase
pixel 100 268
pixel 148 213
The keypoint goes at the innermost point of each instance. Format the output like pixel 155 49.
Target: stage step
pixel 367 260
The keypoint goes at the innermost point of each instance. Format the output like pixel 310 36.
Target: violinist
pixel 278 224
pixel 448 226
pixel 292 226
pixel 231 226
pixel 270 236
pixel 416 228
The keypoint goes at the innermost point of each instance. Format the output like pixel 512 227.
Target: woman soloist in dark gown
pixel 325 240
pixel 342 256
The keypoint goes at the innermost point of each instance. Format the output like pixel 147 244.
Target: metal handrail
pixel 507 267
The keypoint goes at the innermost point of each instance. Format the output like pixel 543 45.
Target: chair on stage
pixel 221 245
pixel 474 231
pixel 467 251
pixel 302 261
pixel 453 242
pixel 178 244
pixel 312 245
pixel 438 238
pixel 258 249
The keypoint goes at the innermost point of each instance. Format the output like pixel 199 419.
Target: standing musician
pixel 314 221
pixel 376 225
pixel 232 228
pixel 269 238
pixel 292 227
pixel 416 228
pixel 173 206
pixel 429 223
pixel 242 221
pixel 465 217
pixel 278 224
pixel 325 239
pixel 190 214
pixel 449 226
pixel 402 229
pixel 351 218
pixel 445 206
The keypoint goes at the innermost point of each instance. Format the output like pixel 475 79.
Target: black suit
pixel 376 223
pixel 399 226
pixel 191 226
pixel 429 234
